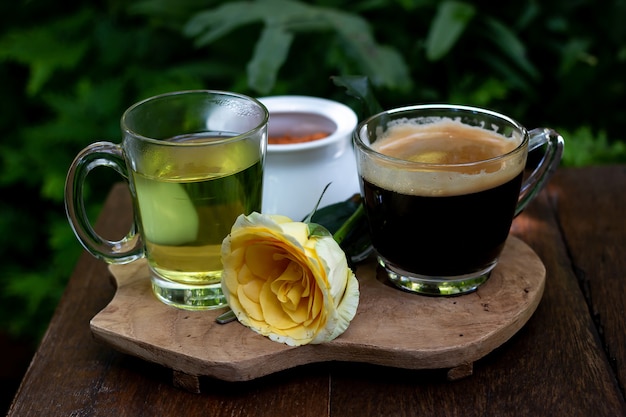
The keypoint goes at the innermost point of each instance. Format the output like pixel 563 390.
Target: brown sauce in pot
pixel 298 127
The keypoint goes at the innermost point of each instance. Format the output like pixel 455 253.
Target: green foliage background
pixel 69 69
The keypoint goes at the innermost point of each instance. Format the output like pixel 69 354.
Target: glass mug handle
pixel 545 168
pixel 98 154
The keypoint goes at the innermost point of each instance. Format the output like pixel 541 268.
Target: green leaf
pixel 270 53
pixel 506 69
pixel 585 148
pixel 345 222
pixel 347 227
pixel 169 12
pixel 382 64
pixel 510 46
pixel 574 52
pixel 359 86
pixel 356 242
pixel 284 18
pixel 46 49
pixel 210 25
pixel 318 230
pixel 450 21
pixel 480 92
pixel 33 289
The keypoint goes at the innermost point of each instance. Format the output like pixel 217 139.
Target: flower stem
pixel 346 227
pixel 310 216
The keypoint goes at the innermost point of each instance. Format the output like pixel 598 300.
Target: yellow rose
pixel 285 283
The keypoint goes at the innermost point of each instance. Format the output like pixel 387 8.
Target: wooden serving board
pixel 391 328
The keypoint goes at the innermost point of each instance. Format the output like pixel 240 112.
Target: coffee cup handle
pixel 98 154
pixel 551 158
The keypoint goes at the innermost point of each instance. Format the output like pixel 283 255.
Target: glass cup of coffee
pixel 441 185
pixel 193 161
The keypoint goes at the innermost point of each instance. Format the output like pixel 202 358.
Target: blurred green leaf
pixel 171 13
pixel 510 46
pixel 383 65
pixel 583 147
pixel 576 51
pixel 360 88
pixel 209 25
pixel 46 49
pixel 270 54
pixel 479 92
pixel 505 69
pixel 450 21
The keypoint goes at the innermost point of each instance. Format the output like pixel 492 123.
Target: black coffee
pixel 447 210
pixel 441 236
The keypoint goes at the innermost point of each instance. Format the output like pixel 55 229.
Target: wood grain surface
pixel 391 328
pixel 569 359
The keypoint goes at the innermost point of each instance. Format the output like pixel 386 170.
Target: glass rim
pixel 367 148
pixel 127 130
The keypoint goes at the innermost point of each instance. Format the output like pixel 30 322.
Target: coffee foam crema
pixel 447 154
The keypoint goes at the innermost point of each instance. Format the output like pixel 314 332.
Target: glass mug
pixel 441 185
pixel 193 161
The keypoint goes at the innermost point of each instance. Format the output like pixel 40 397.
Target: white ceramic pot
pixel 296 173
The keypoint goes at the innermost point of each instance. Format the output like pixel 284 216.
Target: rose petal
pixel 287 285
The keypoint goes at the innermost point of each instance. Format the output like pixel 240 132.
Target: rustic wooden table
pixel 568 360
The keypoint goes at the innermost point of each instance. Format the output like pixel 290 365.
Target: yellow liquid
pixel 185 216
pixel 197 261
